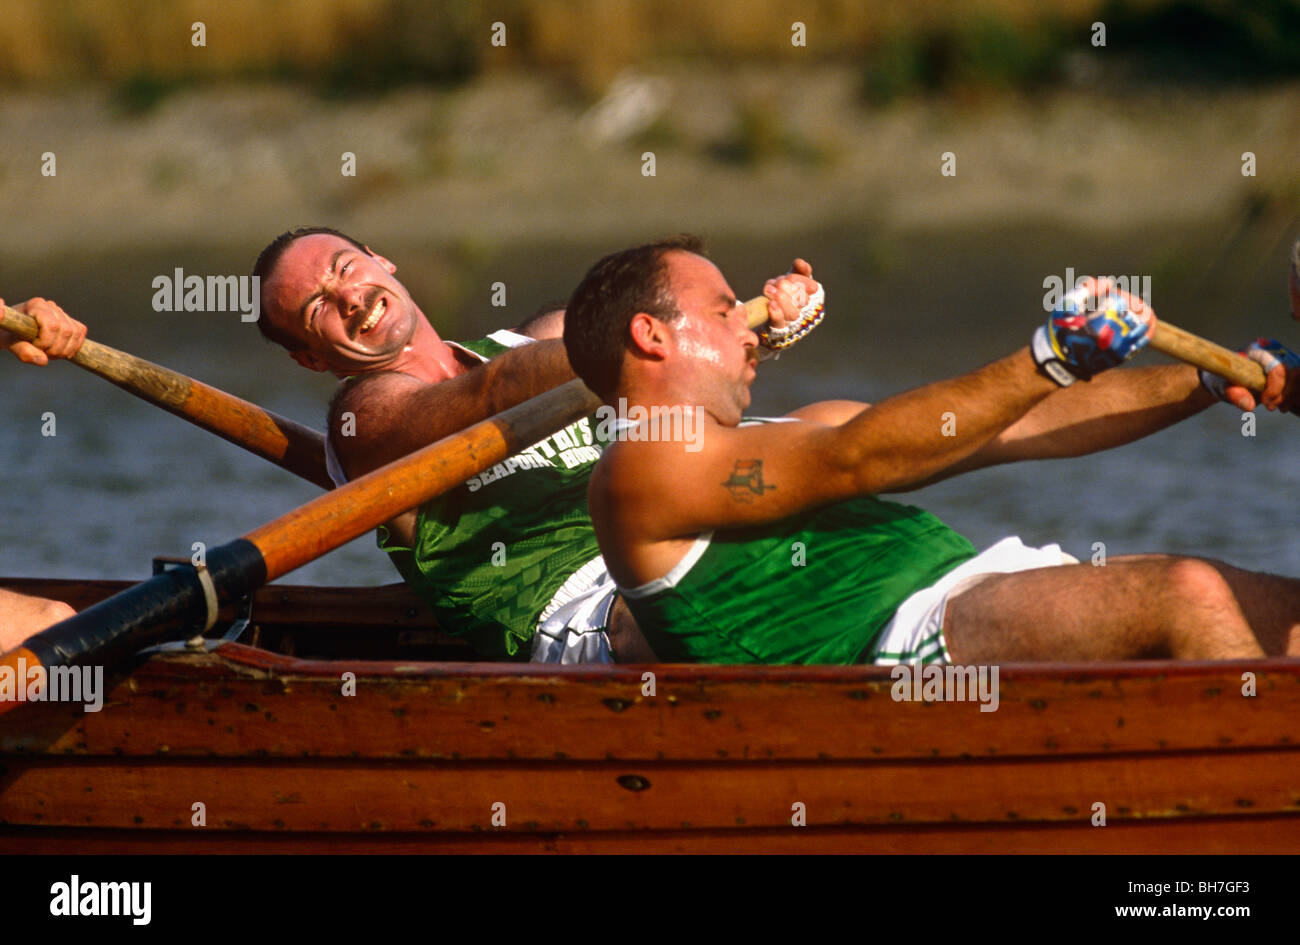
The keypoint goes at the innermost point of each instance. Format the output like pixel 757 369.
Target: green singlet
pixel 490 554
pixel 813 588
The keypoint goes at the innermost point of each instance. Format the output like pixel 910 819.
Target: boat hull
pixel 446 756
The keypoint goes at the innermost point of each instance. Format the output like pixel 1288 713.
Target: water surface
pixel 122 481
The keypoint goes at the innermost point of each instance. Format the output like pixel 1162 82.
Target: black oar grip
pixel 143 615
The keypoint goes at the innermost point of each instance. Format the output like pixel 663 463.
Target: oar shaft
pixel 289 445
pixel 1196 351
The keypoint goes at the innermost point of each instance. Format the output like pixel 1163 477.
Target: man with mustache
pixel 507 560
pixel 767 544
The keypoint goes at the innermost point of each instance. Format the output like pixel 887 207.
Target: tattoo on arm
pixel 746 480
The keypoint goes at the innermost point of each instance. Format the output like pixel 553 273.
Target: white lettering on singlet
pixel 571 447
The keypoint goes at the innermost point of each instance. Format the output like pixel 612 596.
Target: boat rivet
pixel 633 782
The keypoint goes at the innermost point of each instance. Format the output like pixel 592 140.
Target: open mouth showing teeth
pixel 373 319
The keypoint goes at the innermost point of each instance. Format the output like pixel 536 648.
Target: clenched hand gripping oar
pixel 288 444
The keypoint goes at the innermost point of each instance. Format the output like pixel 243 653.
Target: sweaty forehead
pixel 695 278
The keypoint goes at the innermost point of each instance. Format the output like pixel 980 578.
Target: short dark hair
pixel 266 262
pixel 542 316
pixel 605 301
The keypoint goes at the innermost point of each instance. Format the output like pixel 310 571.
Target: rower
pixel 768 544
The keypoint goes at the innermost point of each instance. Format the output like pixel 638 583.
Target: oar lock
pixel 243 610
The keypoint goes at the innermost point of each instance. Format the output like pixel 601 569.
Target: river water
pixel 121 481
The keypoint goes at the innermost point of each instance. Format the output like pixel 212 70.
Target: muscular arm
pixel 1111 410
pixel 397 414
pixel 648 492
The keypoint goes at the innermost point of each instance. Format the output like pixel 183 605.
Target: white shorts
pixel 573 626
pixel 915 634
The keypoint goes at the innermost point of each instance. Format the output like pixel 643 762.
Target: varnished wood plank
pixel 205 705
pixel 414 796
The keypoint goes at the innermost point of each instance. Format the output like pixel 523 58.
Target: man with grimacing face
pixel 700 541
pixel 508 559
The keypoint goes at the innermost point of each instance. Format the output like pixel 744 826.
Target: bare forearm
pixel 1112 409
pixel 917 435
pixel 517 375
pixel 398 414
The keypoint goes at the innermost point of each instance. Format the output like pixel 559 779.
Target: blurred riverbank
pixel 507 157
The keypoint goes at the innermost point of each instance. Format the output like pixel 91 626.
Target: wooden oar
pixel 169 605
pixel 1196 351
pixel 289 445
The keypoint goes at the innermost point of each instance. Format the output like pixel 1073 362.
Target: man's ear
pixel 649 336
pixel 384 263
pixel 308 360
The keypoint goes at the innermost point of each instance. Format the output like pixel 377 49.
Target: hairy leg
pixel 1132 607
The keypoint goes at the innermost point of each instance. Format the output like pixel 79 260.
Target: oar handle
pixel 1196 351
pixel 289 445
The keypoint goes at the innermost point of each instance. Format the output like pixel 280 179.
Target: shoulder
pixel 645 458
pixel 548 323
pixel 366 392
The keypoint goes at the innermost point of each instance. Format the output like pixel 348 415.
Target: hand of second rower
pixel 1281 379
pixel 60 334
pixel 787 294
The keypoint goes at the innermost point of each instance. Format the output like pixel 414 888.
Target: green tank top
pixel 490 554
pixel 813 588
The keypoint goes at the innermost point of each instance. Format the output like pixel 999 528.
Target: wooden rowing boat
pixel 434 752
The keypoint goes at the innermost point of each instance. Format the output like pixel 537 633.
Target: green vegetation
pixel 759 135
pixel 363 47
pixel 143 92
pixel 1170 41
pixel 1254 39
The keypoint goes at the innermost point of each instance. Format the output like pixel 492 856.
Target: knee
pixel 1195 579
pixel 54 611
